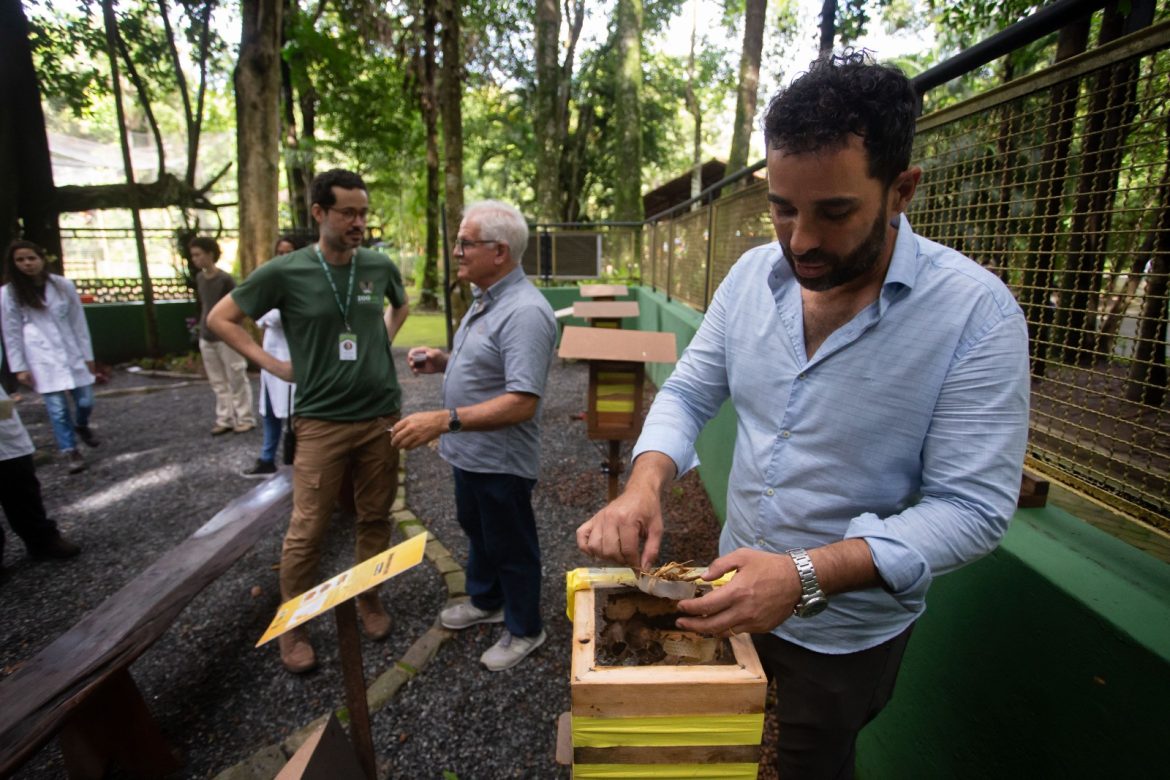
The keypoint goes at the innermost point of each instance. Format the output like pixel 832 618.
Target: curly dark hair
pixel 323 183
pixel 207 244
pixel 29 292
pixel 844 94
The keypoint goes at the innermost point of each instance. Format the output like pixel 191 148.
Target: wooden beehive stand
pixel 605 314
pixel 617 376
pixel 603 292
pixel 698 720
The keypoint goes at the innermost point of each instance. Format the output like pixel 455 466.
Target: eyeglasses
pixel 349 215
pixel 462 243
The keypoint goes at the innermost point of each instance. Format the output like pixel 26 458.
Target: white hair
pixel 499 221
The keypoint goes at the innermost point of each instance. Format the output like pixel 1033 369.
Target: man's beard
pixel 343 241
pixel 842 270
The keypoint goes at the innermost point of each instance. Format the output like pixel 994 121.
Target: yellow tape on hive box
pixel 668 730
pixel 636 771
pixel 585 579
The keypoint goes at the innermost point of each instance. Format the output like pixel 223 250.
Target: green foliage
pixel 65 49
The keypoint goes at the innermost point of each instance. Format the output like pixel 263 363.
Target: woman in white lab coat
pixel 276 395
pixel 48 344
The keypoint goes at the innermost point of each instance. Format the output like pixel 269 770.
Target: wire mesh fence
pixel 1059 183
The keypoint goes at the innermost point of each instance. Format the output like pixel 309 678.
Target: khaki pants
pixel 324 450
pixel 227 371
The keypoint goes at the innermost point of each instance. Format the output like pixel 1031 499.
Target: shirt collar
pixel 496 290
pixel 901 273
pixel 903 262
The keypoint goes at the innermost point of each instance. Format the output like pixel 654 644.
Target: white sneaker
pixel 510 650
pixel 466 614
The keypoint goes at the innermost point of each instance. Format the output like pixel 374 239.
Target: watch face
pixel 814 606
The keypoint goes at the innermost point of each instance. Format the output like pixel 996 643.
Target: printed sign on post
pixel 346 585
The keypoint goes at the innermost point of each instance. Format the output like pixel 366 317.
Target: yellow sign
pixel 346 585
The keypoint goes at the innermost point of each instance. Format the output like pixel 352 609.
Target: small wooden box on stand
pixel 699 719
pixel 605 314
pixel 617 376
pixel 603 292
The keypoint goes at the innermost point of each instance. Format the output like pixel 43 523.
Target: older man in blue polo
pixel 494 379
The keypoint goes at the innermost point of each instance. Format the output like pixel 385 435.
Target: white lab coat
pixel 273 389
pixel 52 343
pixel 14 440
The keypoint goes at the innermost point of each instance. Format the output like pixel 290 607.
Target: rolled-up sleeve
pixel 972 460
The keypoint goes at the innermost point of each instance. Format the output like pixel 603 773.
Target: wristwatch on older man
pixel 454 424
pixel 812 599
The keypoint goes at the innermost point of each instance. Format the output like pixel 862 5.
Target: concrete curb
pixel 266 762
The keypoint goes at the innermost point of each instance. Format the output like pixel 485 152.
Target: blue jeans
pixel 272 425
pixel 503 563
pixel 59 416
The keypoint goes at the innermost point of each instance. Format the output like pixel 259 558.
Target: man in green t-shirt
pixel 330 297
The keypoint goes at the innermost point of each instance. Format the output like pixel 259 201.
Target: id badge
pixel 347 346
pixel 6 407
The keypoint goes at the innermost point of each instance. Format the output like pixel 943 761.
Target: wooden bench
pixel 80 688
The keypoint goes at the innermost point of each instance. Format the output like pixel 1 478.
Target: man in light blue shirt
pixel 881 385
pixel 493 382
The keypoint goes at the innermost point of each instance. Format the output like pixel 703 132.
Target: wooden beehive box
pixel 616 375
pixel 605 314
pixel 701 720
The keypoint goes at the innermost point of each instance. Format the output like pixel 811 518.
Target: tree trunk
pixel 27 199
pixel 696 115
pixel 450 17
pixel 257 82
pixel 545 109
pixel 295 172
pixel 628 113
pixel 1037 278
pixel 1147 371
pixel 828 27
pixel 749 84
pixel 1003 226
pixel 428 296
pixel 574 166
pixel 111 25
pixel 1111 111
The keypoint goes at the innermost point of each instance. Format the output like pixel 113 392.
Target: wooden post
pixel 349 644
pixel 613 467
pixel 113 727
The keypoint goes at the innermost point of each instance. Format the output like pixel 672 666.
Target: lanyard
pixel 348 293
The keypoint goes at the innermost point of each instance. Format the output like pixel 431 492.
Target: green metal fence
pixel 1060 183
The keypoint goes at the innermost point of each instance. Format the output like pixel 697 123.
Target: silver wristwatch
pixel 812 599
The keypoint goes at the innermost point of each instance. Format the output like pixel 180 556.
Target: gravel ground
pixel 158 476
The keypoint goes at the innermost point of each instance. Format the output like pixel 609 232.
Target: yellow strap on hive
pixel 615 406
pixel 704 771
pixel 615 388
pixel 611 577
pixel 621 378
pixel 668 730
pixel 584 579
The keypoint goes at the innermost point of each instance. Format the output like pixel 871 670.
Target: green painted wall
pixel 1048 658
pixel 118 330
pixel 564 298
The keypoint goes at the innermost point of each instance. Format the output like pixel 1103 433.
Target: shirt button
pixel 785 434
pixel 801 376
pixel 770 492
